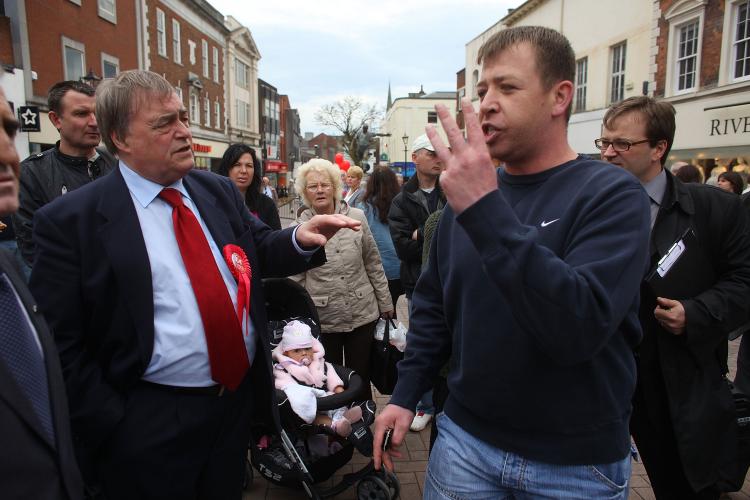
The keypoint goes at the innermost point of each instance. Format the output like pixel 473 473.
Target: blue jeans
pixel 464 467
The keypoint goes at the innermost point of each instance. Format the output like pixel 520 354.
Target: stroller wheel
pixel 373 488
pixel 392 482
pixel 247 481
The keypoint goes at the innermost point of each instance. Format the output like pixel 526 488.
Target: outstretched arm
pixel 318 230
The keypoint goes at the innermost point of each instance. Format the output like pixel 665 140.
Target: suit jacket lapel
pixel 672 220
pixel 221 231
pixel 123 241
pixel 9 390
pixel 215 220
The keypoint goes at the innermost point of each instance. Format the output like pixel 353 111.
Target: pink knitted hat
pixel 297 335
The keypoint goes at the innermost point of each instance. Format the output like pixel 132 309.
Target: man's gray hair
pixel 118 99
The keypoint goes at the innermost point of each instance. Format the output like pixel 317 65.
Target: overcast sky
pixel 318 52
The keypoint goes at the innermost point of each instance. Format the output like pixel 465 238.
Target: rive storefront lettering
pixel 727 126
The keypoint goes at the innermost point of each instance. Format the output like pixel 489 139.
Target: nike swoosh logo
pixel 545 223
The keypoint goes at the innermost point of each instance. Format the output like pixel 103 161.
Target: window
pixel 191 52
pixel 474 82
pixel 683 64
pixel 216 64
pixel 741 41
pixel 617 80
pixel 582 70
pixel 217 114
pixel 206 111
pixel 242 111
pixel 74 55
pixel 178 91
pixel 687 56
pixel 176 44
pixel 195 112
pixel 107 10
pixel 204 57
pixel 431 117
pixel 161 34
pixel 241 73
pixel 110 66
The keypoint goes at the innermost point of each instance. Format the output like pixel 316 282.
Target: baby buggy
pixel 292 455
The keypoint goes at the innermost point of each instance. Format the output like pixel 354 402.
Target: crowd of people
pixel 560 307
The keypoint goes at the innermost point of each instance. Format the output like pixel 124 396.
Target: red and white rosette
pixel 236 259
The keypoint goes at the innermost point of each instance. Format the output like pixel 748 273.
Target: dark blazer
pixel 692 366
pixel 268 212
pixel 31 466
pixel 93 281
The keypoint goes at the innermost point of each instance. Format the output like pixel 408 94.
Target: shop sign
pixel 202 148
pixel 730 126
pixel 29 118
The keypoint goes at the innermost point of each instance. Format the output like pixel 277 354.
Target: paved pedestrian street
pixel 411 468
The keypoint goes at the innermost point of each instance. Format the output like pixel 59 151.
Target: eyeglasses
pixel 314 187
pixel 618 145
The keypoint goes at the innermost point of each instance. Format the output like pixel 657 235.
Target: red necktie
pixel 226 347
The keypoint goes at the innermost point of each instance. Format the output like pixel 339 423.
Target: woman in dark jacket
pixel 240 164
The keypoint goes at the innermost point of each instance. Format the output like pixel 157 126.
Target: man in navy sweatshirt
pixel 531 289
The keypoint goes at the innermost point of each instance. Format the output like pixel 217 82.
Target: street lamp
pixel 405 138
pixel 91 79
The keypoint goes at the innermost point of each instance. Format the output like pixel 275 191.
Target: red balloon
pixel 345 165
pixel 339 158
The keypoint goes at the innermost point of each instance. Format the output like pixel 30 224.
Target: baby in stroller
pixel 301 371
pixel 298 454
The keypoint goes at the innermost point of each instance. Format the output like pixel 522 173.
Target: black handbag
pixel 383 359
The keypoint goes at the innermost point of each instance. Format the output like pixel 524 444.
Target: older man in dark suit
pixel 36 451
pixel 150 277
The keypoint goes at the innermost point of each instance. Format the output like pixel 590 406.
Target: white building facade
pixel 612 41
pixel 408 117
pixel 242 84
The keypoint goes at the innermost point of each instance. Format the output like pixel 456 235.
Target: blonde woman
pixel 350 290
pixel 353 181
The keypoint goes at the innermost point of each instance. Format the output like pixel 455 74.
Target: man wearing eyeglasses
pixel 682 409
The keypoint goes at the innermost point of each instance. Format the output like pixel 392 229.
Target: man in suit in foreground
pixel 165 364
pixel 36 451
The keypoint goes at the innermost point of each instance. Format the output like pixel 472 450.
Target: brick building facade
pixel 55 40
pixel 185 42
pixel 701 64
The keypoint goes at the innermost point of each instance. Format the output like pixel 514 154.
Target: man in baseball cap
pixel 410 208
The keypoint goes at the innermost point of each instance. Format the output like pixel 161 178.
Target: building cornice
pixel 521 11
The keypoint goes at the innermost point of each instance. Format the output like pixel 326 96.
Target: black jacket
pixel 268 212
pixel 409 212
pixel 30 466
pixel 692 366
pixel 44 177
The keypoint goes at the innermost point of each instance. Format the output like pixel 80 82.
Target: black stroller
pixel 283 456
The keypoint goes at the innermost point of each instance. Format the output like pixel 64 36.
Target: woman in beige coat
pixel 350 290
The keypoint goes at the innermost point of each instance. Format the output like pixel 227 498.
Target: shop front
pixel 46 138
pixel 208 153
pixel 713 131
pixel 277 173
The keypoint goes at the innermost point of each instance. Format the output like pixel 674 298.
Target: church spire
pixel 390 101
